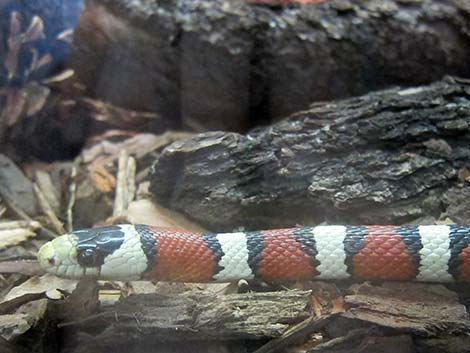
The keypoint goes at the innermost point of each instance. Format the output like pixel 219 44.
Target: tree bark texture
pixel 229 65
pixel 323 319
pixel 394 156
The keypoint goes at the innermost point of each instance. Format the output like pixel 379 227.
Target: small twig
pixel 47 187
pixel 32 225
pixel 295 334
pixel 131 184
pixel 120 199
pixel 47 210
pixel 9 306
pixel 72 197
pixel 3 209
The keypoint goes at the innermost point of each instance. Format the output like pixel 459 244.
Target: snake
pixel 427 253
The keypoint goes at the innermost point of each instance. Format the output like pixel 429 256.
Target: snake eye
pixel 88 257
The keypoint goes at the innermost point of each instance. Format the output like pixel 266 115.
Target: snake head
pixel 59 257
pixel 113 252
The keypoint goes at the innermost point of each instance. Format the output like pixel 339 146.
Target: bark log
pixel 198 316
pixel 322 319
pixel 233 66
pixel 393 156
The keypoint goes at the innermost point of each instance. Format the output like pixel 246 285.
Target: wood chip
pixel 102 180
pixel 48 211
pixel 72 198
pixel 12 237
pixel 395 306
pixel 10 225
pixel 51 193
pixel 125 185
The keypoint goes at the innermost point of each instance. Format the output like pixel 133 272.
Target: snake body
pixel 435 253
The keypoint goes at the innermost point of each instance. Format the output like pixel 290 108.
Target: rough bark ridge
pixel 201 316
pixel 391 156
pixel 231 66
pixel 371 317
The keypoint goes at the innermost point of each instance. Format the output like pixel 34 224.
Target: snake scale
pixel 430 253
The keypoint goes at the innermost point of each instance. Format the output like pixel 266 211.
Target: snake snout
pixel 46 257
pixel 59 256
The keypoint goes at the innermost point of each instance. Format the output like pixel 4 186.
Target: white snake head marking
pixel 113 253
pixel 59 257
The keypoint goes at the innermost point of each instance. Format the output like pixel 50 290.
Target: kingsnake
pixel 435 253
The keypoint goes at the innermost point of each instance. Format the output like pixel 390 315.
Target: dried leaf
pixel 11 62
pixel 66 36
pixel 14 44
pixel 15 25
pixel 464 174
pixel 15 104
pixel 64 75
pixel 44 60
pixel 35 30
pixel 36 96
pixel 34 59
pixel 36 62
pixel 47 283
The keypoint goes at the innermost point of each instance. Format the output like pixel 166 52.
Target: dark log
pixel 370 316
pixel 423 309
pixel 9 347
pixel 197 316
pixel 232 65
pixel 392 156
